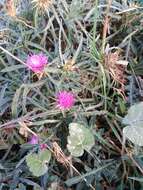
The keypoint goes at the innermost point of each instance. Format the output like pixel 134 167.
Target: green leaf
pixel 37 163
pixel 15 102
pixel 135 115
pixel 134 120
pixel 78 179
pixel 80 138
pixel 134 134
pixel 88 140
pixel 13 68
pixel 75 150
pixel 45 155
pixel 140 179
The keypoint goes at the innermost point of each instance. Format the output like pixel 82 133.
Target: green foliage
pixel 37 163
pixel 21 187
pixel 135 115
pixel 79 38
pixel 80 138
pixel 134 134
pixel 134 118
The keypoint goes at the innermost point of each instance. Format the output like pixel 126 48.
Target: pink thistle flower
pixel 37 62
pixel 65 100
pixel 34 140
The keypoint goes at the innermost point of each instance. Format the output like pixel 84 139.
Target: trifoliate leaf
pixel 37 163
pixel 134 134
pixel 80 138
pixel 135 115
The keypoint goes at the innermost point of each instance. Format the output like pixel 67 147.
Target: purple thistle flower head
pixel 37 62
pixel 65 100
pixel 34 140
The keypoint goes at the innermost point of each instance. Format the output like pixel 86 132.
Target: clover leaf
pixel 134 120
pixel 37 163
pixel 80 138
